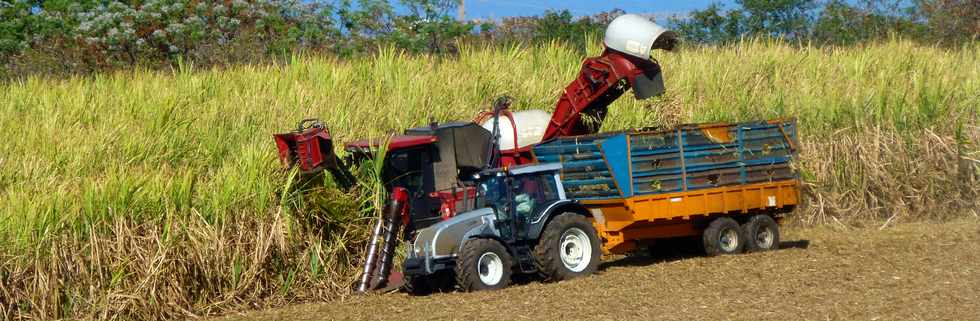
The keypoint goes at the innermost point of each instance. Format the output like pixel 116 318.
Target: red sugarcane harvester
pixel 429 169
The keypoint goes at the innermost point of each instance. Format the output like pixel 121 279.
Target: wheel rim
pixel 764 238
pixel 575 249
pixel 490 268
pixel 729 240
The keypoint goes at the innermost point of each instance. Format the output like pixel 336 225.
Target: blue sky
pixel 504 8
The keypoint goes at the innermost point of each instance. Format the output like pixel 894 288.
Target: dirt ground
pixel 917 271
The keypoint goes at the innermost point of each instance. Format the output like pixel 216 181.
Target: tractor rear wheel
pixel 483 264
pixel 761 233
pixel 723 236
pixel 568 248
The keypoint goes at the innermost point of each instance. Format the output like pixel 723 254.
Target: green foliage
pixel 559 25
pixel 835 22
pixel 429 27
pixel 786 18
pixel 790 19
pixel 711 25
pixel 145 145
pixel 66 37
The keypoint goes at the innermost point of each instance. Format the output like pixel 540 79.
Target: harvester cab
pixel 431 163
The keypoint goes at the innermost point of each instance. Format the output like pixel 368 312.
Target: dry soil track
pixel 920 271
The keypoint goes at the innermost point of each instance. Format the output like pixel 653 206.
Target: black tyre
pixel 568 248
pixel 723 236
pixel 418 285
pixel 441 281
pixel 483 264
pixel 761 233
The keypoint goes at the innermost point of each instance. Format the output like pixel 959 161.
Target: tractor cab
pixel 522 222
pixel 518 196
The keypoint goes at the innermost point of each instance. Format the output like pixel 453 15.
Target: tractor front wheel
pixel 483 264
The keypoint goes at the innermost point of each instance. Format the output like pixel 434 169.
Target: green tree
pixel 790 19
pixel 15 25
pixel 950 21
pixel 711 25
pixel 429 26
pixel 560 25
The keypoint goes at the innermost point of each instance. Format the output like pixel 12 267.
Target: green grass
pixel 158 149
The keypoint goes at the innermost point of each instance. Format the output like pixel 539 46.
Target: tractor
pixel 521 221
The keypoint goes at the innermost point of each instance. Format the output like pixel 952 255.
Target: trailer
pixel 728 183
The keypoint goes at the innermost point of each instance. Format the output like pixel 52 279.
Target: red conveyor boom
pixel 600 82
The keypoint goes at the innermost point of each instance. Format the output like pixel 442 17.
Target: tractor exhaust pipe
pixel 385 238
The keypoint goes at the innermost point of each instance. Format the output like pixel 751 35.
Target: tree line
pixel 84 36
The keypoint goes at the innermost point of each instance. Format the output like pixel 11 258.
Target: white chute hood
pixel 636 36
pixel 531 125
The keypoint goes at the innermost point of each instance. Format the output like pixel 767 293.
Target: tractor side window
pixel 534 193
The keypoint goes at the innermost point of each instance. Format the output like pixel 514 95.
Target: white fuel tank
pixel 531 125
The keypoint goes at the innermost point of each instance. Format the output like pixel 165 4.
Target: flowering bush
pixel 115 33
pixel 179 27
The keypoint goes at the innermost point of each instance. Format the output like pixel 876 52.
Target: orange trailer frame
pixel 621 222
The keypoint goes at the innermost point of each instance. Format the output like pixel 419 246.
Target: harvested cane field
pixel 918 271
pixel 151 195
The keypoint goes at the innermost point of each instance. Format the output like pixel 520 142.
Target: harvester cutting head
pixel 309 147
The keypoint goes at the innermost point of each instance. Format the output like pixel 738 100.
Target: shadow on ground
pixel 677 249
pixel 662 251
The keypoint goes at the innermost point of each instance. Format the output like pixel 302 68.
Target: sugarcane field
pixel 454 160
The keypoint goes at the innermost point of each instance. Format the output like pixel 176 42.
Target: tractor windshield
pixel 492 192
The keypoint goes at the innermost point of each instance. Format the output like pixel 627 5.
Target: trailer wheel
pixel 483 264
pixel 761 233
pixel 568 248
pixel 723 236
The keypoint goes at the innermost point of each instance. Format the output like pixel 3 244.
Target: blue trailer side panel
pixel 689 157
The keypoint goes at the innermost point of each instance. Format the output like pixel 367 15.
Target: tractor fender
pixel 537 224
pixel 487 230
pixel 442 240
